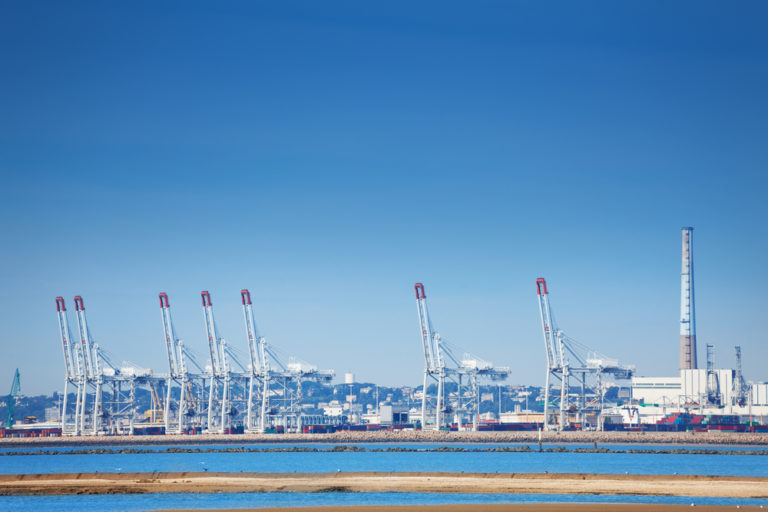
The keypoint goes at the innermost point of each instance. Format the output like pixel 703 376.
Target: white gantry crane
pixel 90 371
pixel 260 376
pixel 93 376
pixel 74 374
pixel 101 397
pixel 266 368
pixel 568 359
pixel 234 392
pixel 184 389
pixel 227 386
pixel 441 366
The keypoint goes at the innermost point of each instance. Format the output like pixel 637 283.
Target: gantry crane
pixel 12 397
pixel 89 370
pixel 441 365
pixel 221 411
pixel 181 383
pixel 259 377
pixel 566 359
pixel 266 368
pixel 74 375
pixel 739 386
pixel 92 370
pixel 714 396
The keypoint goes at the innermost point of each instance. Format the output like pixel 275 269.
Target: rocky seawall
pixel 407 436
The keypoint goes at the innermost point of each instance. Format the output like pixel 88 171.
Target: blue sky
pixel 328 155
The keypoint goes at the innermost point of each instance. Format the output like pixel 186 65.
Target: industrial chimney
pixel 687 306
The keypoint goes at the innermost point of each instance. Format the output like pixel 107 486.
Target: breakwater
pixel 406 436
pixel 389 449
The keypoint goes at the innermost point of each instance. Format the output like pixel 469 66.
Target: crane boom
pixel 432 357
pixel 70 362
pixel 89 368
pixel 254 340
pixel 171 341
pixel 547 325
pixel 213 338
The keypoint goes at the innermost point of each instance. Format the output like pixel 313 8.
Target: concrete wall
pixel 694 385
pixel 656 390
pixel 760 393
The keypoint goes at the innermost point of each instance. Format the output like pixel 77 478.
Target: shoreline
pixel 406 436
pixel 362 482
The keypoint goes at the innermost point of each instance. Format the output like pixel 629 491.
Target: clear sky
pixel 328 155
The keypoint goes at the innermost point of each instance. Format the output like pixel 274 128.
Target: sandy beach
pixel 510 483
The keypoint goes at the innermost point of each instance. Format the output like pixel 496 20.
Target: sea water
pixel 140 502
pixel 730 462
pixel 156 460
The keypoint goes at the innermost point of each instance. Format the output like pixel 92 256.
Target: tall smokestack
pixel 687 306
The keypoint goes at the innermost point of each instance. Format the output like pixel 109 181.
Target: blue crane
pixel 15 393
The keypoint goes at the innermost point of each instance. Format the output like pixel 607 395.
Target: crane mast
pixel 98 383
pixel 713 384
pixel 739 388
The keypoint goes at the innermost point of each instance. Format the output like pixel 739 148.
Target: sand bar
pixel 511 483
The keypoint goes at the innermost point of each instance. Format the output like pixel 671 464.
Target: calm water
pixel 514 462
pixel 553 462
pixel 132 503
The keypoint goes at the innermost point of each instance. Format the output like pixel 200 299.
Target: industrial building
pixel 709 391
